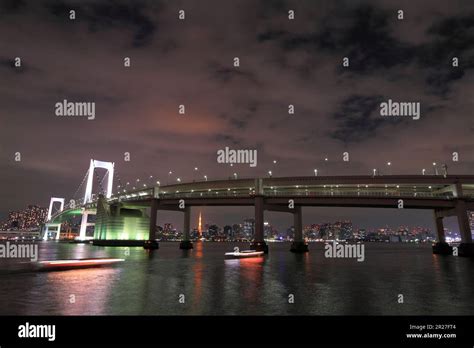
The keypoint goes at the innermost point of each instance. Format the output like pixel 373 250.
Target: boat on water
pixel 85 240
pixel 62 265
pixel 243 254
pixel 151 245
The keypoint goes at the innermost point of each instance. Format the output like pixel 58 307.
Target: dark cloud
pixel 227 74
pixel 227 139
pixel 450 37
pixel 109 15
pixel 369 42
pixel 271 35
pixel 238 123
pixel 357 118
pixel 270 8
pixel 439 80
pixel 11 6
pixel 455 33
pixel 241 119
pixel 365 37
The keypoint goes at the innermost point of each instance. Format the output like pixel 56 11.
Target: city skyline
pixel 34 216
pixel 222 216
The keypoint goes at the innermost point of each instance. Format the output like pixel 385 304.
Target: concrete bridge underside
pixel 441 208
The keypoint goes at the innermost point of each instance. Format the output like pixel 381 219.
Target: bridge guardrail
pixel 276 193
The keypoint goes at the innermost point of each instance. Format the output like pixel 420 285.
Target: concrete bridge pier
pixel 47 228
pixel 45 232
pixel 298 245
pixel 186 242
pixel 259 241
pixel 466 248
pixel 83 228
pixel 152 243
pixel 441 247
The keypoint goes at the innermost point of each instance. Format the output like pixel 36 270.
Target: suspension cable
pixel 82 183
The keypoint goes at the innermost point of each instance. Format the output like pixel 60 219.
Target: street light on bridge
pixel 235 175
pixel 435 168
pixel 205 177
pixel 195 171
pixel 423 171
pixel 274 164
pixel 270 173
pixel 315 172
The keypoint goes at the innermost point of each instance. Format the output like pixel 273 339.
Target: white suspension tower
pixel 88 194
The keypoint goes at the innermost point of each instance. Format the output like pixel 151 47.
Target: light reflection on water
pixel 151 283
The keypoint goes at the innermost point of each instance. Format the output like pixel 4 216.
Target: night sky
pixel 190 62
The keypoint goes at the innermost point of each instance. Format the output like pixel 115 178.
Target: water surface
pixel 152 283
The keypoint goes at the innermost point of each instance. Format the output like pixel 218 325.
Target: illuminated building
pixel 248 228
pixel 200 225
pixel 30 218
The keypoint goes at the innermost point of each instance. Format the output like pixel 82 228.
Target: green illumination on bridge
pixel 123 228
pixel 129 224
pixel 65 215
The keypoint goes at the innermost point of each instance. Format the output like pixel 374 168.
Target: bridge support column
pixel 186 242
pixel 82 231
pixel 298 245
pixel 152 243
pixel 58 231
pixel 466 248
pixel 258 239
pixel 46 230
pixel 441 247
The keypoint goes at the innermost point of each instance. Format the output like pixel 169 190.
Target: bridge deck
pixel 417 191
